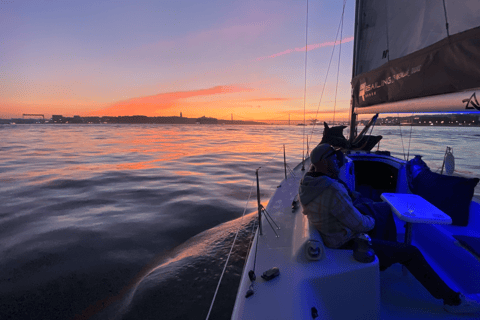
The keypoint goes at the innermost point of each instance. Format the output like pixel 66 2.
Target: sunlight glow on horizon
pixel 160 59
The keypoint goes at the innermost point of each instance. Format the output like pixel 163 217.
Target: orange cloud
pixel 152 105
pixel 302 49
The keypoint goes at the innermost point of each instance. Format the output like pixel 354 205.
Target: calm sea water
pixel 136 221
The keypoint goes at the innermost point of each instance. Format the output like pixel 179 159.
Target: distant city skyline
pixel 417 120
pixel 161 58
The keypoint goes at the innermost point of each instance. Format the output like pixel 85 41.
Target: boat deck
pixel 302 284
pixel 403 297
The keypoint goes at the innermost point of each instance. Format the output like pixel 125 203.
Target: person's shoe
pixel 468 304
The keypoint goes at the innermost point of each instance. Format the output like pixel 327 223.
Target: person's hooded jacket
pixel 329 208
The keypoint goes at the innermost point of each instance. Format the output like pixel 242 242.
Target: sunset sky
pixel 160 58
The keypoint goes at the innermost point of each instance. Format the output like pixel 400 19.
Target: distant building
pixel 57 118
pixel 180 114
pixel 206 120
pixel 77 119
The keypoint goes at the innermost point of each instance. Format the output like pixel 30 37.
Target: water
pixel 136 221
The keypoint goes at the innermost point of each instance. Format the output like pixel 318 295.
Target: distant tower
pixel 232 117
pixel 180 114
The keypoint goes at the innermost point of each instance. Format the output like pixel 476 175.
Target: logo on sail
pixel 362 90
pixel 370 90
pixel 472 103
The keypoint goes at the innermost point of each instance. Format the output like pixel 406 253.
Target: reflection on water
pixel 101 220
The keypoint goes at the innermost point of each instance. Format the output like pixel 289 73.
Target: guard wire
pixel 230 253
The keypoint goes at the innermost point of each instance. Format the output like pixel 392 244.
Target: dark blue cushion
pixel 450 194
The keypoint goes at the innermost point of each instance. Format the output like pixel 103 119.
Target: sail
pixel 427 50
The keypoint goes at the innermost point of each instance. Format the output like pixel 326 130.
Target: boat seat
pixel 454 251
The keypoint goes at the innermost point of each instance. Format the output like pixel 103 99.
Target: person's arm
pixel 347 214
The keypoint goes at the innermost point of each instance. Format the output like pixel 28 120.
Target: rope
pixel 305 86
pixel 230 253
pixel 273 157
pixel 328 69
pixel 410 139
pixel 401 136
pixel 386 27
pixel 446 20
pixel 338 67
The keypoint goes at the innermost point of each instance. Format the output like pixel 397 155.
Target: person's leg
pixel 390 252
pixel 384 217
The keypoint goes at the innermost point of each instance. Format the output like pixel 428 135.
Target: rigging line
pixel 292 174
pixel 386 27
pixel 270 220
pixel 256 250
pixel 410 139
pixel 401 136
pixel 254 229
pixel 338 67
pixel 268 162
pixel 230 253
pixel 328 70
pixel 373 126
pixel 371 131
pixel 250 243
pixel 446 20
pixel 305 87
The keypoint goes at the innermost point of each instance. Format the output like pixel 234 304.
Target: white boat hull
pixel 336 286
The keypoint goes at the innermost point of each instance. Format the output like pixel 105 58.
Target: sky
pixel 219 59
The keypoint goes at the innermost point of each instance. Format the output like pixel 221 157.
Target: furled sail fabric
pixel 413 49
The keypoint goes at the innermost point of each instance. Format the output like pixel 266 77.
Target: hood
pixel 311 187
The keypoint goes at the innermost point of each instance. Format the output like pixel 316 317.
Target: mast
pixel 353 116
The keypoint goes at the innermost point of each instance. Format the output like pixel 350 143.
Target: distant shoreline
pixel 59 119
pixel 449 120
pixel 8 122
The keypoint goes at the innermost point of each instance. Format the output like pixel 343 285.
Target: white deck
pixel 358 294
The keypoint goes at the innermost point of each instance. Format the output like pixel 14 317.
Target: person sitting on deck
pixel 330 207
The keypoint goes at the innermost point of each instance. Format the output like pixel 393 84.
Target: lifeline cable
pixel 250 243
pixel 272 157
pixel 236 235
pixel 229 254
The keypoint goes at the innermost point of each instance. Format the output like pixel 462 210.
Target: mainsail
pixel 426 50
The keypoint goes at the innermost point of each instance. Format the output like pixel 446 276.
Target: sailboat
pixel 409 56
